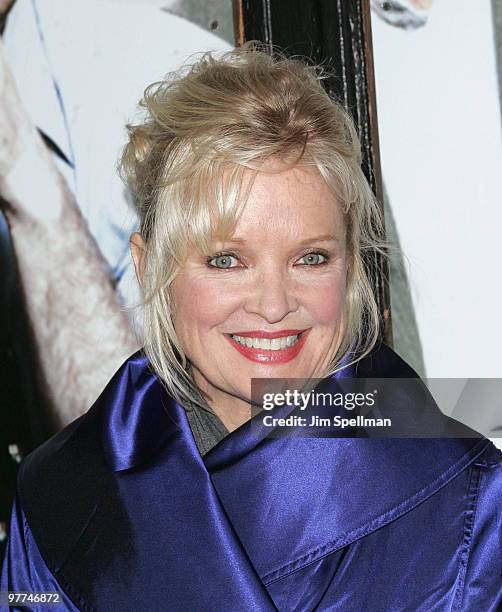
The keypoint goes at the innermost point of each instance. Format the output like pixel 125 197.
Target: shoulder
pixel 63 482
pixel 481 550
pixel 78 452
pixel 60 483
pixel 69 449
pixel 488 484
pixel 384 362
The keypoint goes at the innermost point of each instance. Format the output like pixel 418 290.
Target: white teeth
pixel 275 344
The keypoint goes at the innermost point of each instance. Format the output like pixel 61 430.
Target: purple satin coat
pixel 120 512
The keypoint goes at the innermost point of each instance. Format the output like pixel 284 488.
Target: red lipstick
pixel 271 357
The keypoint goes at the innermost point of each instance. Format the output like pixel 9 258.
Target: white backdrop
pixel 440 138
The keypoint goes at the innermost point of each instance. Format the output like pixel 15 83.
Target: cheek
pixel 199 305
pixel 327 302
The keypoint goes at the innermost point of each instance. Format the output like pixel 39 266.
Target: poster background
pixel 80 68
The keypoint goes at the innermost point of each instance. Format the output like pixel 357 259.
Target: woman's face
pixel 269 301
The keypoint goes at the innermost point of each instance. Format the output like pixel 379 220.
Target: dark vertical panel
pixel 336 33
pixel 380 269
pixel 23 415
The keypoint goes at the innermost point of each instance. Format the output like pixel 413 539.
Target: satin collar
pixel 139 418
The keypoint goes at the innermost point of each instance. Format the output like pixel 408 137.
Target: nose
pixel 272 296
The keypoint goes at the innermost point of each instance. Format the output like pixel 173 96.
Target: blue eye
pixel 222 261
pixel 314 259
pixel 225 261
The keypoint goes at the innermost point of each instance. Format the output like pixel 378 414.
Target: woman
pixel 166 495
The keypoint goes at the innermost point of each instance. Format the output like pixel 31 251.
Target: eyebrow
pixel 320 238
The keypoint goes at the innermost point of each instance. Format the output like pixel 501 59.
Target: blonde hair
pixel 224 115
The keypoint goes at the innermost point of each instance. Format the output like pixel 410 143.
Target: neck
pixel 231 410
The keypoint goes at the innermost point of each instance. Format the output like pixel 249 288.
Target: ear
pixel 138 252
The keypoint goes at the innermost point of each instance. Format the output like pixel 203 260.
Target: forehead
pixel 294 201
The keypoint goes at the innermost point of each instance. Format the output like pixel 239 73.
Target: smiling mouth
pixel 269 350
pixel 267 344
